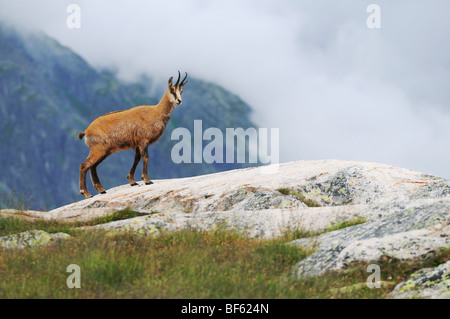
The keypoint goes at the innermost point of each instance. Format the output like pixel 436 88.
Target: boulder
pixel 431 283
pixel 327 182
pixel 30 239
pixel 402 230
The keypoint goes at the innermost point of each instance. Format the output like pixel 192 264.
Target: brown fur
pixel 135 128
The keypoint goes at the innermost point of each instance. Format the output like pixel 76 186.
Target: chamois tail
pixel 81 135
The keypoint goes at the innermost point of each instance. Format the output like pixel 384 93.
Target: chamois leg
pixel 83 188
pixel 95 180
pixel 144 153
pixel 137 158
pixel 91 160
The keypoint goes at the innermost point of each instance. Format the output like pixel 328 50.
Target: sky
pixel 335 88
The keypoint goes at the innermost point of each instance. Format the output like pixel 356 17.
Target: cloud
pixel 335 88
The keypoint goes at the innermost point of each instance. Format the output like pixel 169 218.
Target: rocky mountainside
pixel 48 94
pixel 401 214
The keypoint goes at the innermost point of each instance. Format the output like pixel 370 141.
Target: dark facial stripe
pixel 172 91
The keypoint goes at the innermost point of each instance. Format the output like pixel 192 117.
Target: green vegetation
pixel 297 233
pixel 346 223
pixel 9 225
pixel 339 284
pixel 291 234
pixel 307 201
pixel 119 215
pixel 187 263
pixel 184 264
pixel 14 200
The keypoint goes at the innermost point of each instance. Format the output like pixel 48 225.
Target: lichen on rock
pixel 394 230
pixel 425 283
pixel 30 239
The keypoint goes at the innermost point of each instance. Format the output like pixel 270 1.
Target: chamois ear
pixel 170 81
pixel 184 84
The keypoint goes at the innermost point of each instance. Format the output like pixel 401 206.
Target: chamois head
pixel 176 89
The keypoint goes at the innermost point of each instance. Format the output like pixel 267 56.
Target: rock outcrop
pixel 403 214
pixel 426 283
pixel 30 239
pixel 402 230
pixel 329 183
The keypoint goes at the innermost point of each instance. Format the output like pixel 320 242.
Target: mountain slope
pixel 48 94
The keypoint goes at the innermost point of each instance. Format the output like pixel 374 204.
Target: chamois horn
pixel 178 81
pixel 185 77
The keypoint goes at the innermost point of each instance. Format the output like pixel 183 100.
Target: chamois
pixel 135 128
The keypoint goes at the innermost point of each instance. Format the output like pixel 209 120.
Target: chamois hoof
pixel 104 192
pixel 149 183
pixel 86 195
pixel 134 184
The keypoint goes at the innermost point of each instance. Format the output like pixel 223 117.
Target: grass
pixel 307 201
pixel 183 264
pixel 10 225
pixel 297 233
pixel 15 200
pixel 346 223
pixel 392 271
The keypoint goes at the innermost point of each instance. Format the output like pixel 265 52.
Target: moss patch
pixel 307 201
pixel 11 225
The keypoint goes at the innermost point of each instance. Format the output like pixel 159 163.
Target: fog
pixel 313 69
